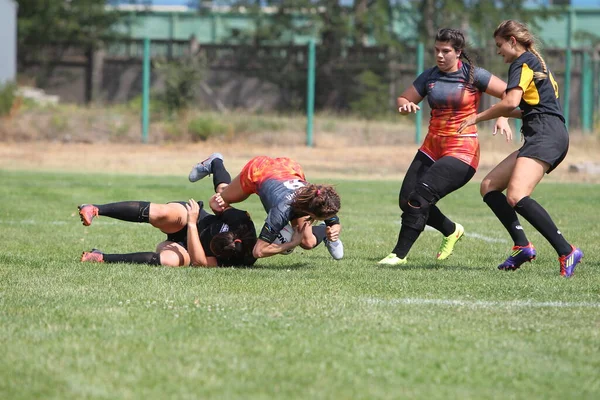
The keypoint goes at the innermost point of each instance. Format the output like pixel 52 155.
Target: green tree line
pixel 49 28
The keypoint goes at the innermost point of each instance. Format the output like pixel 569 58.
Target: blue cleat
pixel 519 256
pixel 570 261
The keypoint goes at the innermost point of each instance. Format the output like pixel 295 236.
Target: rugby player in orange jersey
pixel 446 160
pixel 286 197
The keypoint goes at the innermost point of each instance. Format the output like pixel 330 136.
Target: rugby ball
pixel 284 237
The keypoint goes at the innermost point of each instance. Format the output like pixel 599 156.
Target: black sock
pixel 406 238
pixel 220 174
pixel 132 211
pixel 496 200
pixel 437 220
pixel 537 216
pixel 133 258
pixel 319 232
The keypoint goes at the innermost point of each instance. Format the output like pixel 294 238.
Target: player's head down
pixel 318 201
pixel 233 244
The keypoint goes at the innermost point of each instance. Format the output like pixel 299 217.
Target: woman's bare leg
pixel 169 218
pixel 173 254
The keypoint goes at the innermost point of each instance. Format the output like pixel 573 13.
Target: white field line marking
pixel 474 235
pixel 485 238
pixel 482 303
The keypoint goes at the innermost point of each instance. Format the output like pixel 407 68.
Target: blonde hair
pixel 518 30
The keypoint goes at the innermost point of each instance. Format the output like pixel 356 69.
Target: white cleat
pixel 336 249
pixel 203 168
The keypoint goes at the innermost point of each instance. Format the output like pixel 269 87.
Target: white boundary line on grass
pixel 485 238
pixel 474 235
pixel 482 303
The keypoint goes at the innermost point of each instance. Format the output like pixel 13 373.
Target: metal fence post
pixel 146 90
pixel 310 93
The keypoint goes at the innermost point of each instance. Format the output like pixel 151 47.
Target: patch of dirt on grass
pixel 329 159
pixel 89 140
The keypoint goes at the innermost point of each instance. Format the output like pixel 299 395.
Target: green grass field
pixel 293 327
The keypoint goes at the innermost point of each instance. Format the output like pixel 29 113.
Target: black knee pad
pixel 154 259
pixel 144 211
pixel 427 193
pixel 416 210
pixel 403 203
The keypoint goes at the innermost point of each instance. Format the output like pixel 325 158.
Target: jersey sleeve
pixel 519 75
pixel 420 83
pixel 277 218
pixel 482 79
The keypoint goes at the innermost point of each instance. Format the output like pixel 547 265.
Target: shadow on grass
pixel 294 266
pixel 432 266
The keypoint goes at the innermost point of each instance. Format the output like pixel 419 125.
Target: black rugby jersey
pixel 231 219
pixel 539 96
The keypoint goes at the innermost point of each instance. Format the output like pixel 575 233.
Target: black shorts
pixel 546 139
pixel 204 219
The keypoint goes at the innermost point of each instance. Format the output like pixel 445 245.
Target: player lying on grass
pixel 286 197
pixel 194 237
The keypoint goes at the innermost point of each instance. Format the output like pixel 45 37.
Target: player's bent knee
pixel 425 195
pixel 416 210
pixel 513 199
pixel 415 218
pixel 309 244
pixel 488 185
pixel 403 203
pixel 170 258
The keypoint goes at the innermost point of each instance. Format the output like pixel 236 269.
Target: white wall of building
pixel 8 40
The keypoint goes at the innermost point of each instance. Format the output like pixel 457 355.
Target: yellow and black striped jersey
pixel 540 96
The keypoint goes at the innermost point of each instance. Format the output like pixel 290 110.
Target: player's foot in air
pixel 392 259
pixel 336 249
pixel 449 241
pixel 87 212
pixel 519 256
pixel 203 168
pixel 570 261
pixel 92 256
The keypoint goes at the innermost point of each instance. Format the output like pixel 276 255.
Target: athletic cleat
pixel 203 168
pixel 449 241
pixel 87 212
pixel 392 259
pixel 336 249
pixel 519 256
pixel 570 261
pixel 92 256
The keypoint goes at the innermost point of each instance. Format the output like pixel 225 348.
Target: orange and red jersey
pixel 451 98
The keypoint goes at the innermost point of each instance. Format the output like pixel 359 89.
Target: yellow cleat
pixel 392 259
pixel 449 241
